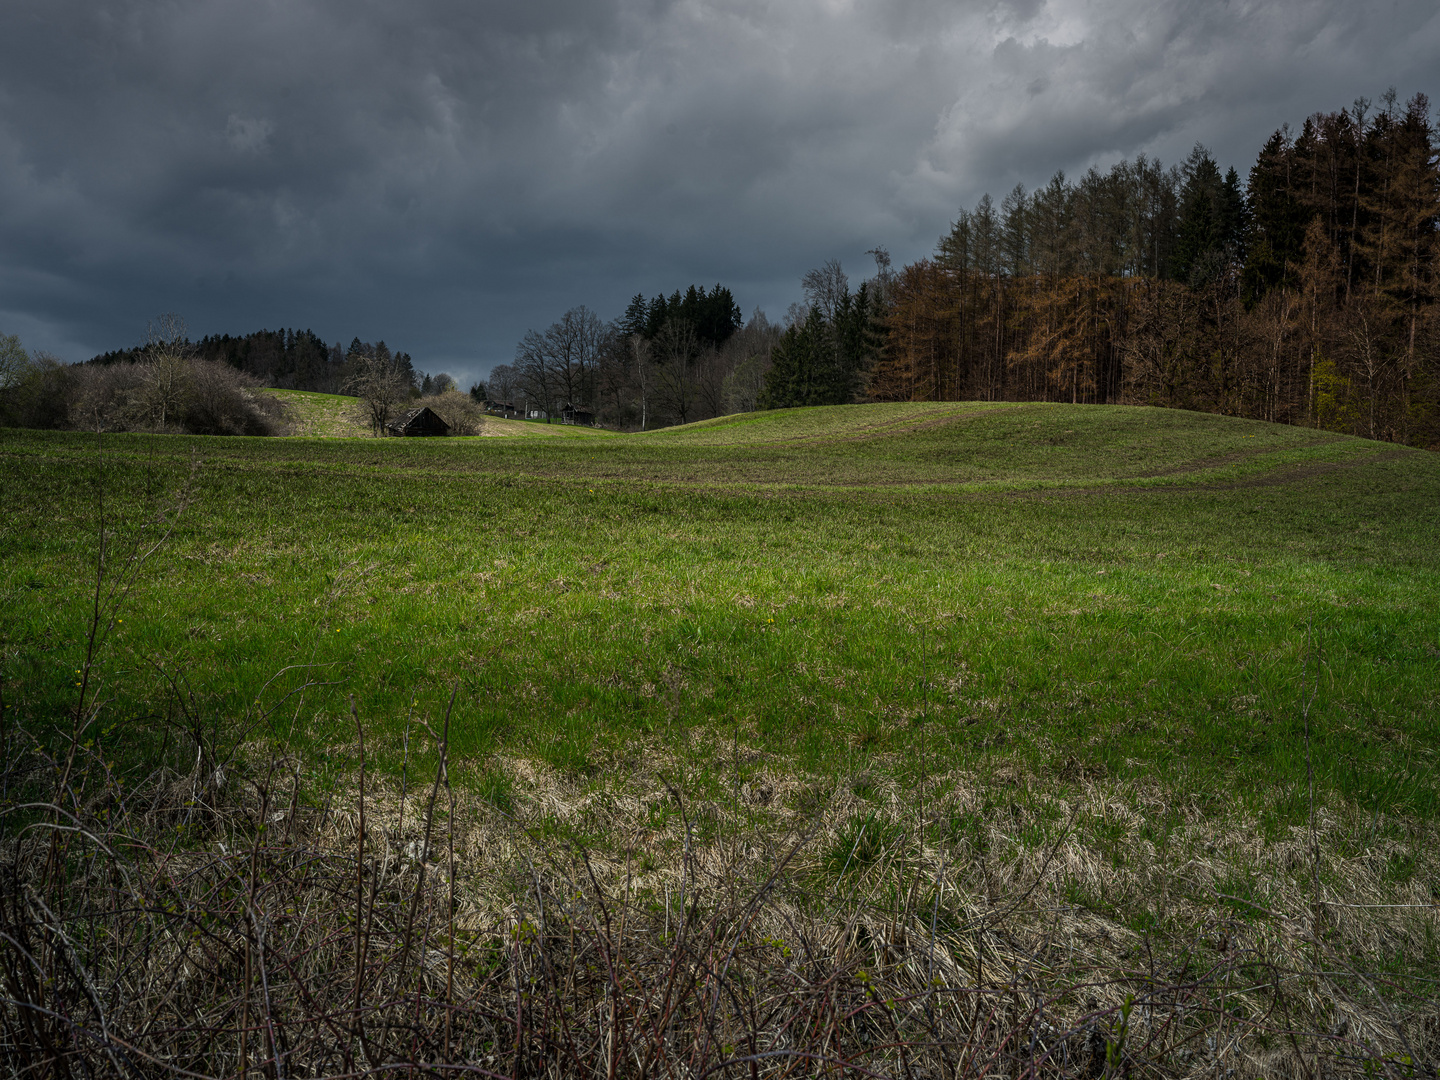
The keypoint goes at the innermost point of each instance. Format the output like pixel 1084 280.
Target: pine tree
pixel 1015 231
pixel 1234 217
pixel 1276 228
pixel 636 316
pixel 792 366
pixel 1202 224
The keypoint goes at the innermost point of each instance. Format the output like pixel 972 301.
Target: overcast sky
pixel 445 174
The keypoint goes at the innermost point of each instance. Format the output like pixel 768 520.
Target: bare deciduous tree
pixel 640 357
pixel 612 375
pixel 166 374
pixel 462 412
pixel 559 367
pixel 502 383
pixel 574 345
pixel 884 280
pixel 536 371
pixel 748 359
pixel 379 384
pixel 674 350
pixel 826 288
pixel 164 388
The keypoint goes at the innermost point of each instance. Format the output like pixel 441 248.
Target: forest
pixel 1303 294
pixel 668 360
pixel 1305 297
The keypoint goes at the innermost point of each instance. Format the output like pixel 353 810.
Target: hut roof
pixel 421 421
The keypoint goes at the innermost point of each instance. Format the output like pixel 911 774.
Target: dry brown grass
pixel 231 922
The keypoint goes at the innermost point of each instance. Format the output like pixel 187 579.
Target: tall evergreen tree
pixel 1276 227
pixel 798 364
pixel 1200 246
pixel 1234 217
pixel 1015 231
pixel 636 317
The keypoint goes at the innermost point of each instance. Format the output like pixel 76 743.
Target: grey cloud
pixel 446 173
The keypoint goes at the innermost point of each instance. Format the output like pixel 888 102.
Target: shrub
pixel 102 398
pixel 224 401
pixel 463 413
pixel 167 393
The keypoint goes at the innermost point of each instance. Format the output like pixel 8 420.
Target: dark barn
pixel 422 421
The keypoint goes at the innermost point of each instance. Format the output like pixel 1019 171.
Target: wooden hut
pixel 421 421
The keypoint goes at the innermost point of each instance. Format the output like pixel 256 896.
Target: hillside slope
pixel 975 446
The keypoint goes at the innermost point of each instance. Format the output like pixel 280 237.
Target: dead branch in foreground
pixel 184 926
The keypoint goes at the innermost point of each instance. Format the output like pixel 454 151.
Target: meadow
pixel 1133 591
pixel 1157 672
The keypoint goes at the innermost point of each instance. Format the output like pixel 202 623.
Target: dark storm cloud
pixel 446 173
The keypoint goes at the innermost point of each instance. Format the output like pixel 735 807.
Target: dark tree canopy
pixel 1306 294
pixel 711 316
pixel 290 359
pixel 824 358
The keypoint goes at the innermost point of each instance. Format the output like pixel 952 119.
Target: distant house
pixel 421 421
pixel 571 415
pixel 502 408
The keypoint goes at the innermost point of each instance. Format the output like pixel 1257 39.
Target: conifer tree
pixel 1201 241
pixel 636 317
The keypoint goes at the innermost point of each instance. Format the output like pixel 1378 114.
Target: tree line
pixel 667 360
pixel 286 359
pixel 689 356
pixel 1305 295
pixel 162 386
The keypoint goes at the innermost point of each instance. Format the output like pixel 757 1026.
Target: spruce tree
pixel 1276 227
pixel 1201 219
pixel 636 316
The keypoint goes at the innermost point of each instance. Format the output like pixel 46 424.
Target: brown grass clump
pixel 232 922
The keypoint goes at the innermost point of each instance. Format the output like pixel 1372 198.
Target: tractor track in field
pixel 1197 464
pixel 1125 485
pixel 881 430
pixel 768 486
pixel 1280 478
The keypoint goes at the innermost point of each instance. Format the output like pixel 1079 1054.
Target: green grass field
pixel 321 415
pixel 885 603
